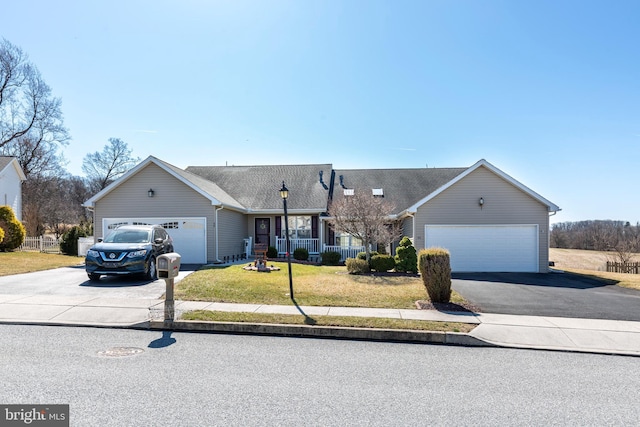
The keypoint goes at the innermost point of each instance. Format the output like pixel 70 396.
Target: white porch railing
pixel 345 251
pixel 40 244
pixel 311 245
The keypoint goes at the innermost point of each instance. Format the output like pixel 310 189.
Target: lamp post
pixel 284 193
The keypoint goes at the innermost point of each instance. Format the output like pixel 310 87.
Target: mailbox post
pixel 168 266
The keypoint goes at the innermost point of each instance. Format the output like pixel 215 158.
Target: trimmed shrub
pixel 69 242
pixel 301 254
pixel 382 263
pixel 1 235
pixel 272 252
pixel 435 267
pixel 330 258
pixel 406 257
pixel 13 230
pixel 363 255
pixel 357 266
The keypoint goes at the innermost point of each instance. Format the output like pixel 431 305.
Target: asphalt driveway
pixel 552 294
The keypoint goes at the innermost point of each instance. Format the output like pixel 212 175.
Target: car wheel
pixel 93 277
pixel 151 272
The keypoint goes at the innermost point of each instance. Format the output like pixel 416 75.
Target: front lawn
pixel 27 262
pixel 312 285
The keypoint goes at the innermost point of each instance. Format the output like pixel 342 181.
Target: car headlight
pixel 136 254
pixel 93 254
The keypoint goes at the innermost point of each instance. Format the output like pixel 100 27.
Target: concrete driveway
pixel 552 294
pixel 73 281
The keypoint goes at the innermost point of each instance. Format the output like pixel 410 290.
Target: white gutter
pixel 217 228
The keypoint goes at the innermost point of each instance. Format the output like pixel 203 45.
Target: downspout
pixel 218 260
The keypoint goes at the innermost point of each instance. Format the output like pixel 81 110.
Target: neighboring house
pixel 11 179
pixel 487 220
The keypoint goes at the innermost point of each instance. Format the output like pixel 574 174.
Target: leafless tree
pixel 27 107
pixel 365 217
pixel 102 168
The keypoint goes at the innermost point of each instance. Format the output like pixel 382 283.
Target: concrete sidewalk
pixel 551 333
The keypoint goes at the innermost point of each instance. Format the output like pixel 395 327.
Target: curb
pixel 306 331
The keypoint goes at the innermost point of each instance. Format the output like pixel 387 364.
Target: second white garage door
pixel 189 234
pixel 487 248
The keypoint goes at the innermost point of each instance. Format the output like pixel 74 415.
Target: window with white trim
pixel 299 227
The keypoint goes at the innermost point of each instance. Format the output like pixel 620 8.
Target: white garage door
pixel 497 248
pixel 189 234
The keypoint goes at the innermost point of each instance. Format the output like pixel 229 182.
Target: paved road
pixel 187 379
pixel 73 281
pixel 553 294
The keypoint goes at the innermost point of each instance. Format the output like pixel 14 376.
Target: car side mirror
pixel 99 240
pixel 158 241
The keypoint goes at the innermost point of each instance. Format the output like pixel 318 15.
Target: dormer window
pixel 377 192
pixel 348 192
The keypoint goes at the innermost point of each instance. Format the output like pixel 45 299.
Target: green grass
pixel 313 285
pixel 27 262
pixel 341 321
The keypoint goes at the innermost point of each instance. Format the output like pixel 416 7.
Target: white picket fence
pixel 47 244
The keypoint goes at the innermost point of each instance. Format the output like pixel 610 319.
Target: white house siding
pixel 503 204
pixel 231 233
pixel 172 198
pixel 11 190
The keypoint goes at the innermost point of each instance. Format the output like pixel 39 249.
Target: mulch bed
pixel 447 306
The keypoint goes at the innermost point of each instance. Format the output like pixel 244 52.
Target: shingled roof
pixel 401 187
pixel 258 187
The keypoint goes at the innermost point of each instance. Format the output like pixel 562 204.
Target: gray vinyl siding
pixel 171 198
pixel 232 231
pixel 407 227
pixel 503 204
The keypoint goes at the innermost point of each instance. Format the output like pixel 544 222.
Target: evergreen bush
pixel 435 268
pixel 357 266
pixel 301 254
pixel 69 242
pixel 330 258
pixel 406 257
pixel 13 230
pixel 382 263
pixel 272 252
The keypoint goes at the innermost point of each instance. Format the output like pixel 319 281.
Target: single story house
pixel 11 179
pixel 487 220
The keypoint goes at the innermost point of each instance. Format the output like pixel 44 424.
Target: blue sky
pixel 547 91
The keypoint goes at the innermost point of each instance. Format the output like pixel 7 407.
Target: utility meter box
pixel 168 265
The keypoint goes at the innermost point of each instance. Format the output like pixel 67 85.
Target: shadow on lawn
pixel 307 320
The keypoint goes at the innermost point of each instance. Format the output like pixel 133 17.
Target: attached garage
pixel 188 234
pixel 487 248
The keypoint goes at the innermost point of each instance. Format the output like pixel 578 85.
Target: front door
pixel 263 230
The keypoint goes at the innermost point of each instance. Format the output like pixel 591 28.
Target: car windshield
pixel 128 236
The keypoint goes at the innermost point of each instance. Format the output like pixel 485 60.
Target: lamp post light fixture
pixel 284 193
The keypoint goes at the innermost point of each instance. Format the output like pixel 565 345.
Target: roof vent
pixel 348 192
pixel 377 192
pixel 322 182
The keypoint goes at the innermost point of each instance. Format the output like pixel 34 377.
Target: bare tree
pixel 102 168
pixel 365 217
pixel 27 107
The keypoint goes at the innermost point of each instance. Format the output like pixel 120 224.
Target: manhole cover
pixel 120 352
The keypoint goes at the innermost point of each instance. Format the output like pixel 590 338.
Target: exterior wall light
pixel 150 193
pixel 481 202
